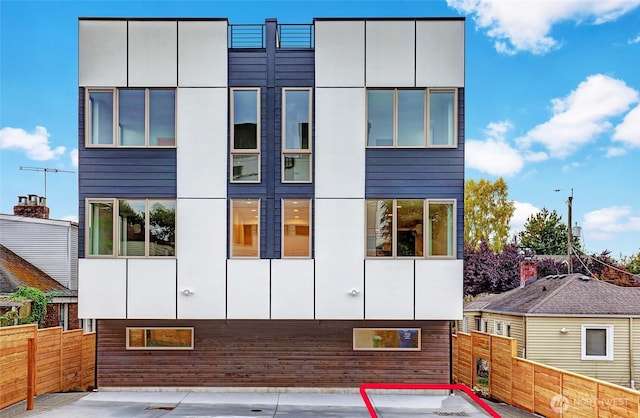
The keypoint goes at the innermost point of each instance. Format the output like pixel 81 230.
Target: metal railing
pixel 292 36
pixel 295 36
pixel 247 36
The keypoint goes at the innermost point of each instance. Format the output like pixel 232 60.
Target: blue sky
pixel 552 97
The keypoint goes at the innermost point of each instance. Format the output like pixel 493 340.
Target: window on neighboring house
pixel 465 324
pixel 395 228
pixel 245 228
pixel 296 135
pixel 497 327
pixel 597 342
pixel 245 135
pixel 131 227
pixel 296 228
pixel 131 117
pixel 483 325
pixel 398 117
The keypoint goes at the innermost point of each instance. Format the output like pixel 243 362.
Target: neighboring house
pixel 16 272
pixel 271 205
pixel 42 253
pixel 572 322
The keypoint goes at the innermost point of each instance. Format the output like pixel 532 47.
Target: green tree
pixel 632 263
pixel 39 303
pixel 545 233
pixel 487 213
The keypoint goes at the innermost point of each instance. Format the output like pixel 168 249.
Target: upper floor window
pixel 245 135
pixel 411 118
pixel 396 228
pixel 296 228
pixel 296 135
pixel 131 117
pixel 245 228
pixel 131 227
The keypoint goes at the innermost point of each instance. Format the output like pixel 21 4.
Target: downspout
pixel 524 348
pixel 632 382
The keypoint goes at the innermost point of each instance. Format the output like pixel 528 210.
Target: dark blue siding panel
pixel 271 69
pixel 420 173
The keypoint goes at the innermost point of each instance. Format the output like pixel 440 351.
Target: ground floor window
pixel 159 338
pixel 597 342
pixel 389 339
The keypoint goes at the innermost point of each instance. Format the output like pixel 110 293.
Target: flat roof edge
pixel 166 19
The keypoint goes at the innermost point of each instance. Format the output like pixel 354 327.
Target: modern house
pixel 571 322
pixel 42 253
pixel 269 204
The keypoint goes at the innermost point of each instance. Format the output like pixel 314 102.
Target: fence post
pixel 31 373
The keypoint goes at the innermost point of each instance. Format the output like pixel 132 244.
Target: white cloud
pixel 635 40
pixel 72 218
pixel 74 157
pixel 615 152
pixel 570 166
pixel 493 155
pixel 35 144
pixel 522 212
pixel 582 115
pixel 611 219
pixel 628 132
pixel 517 26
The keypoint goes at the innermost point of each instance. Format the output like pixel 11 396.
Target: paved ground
pixel 248 404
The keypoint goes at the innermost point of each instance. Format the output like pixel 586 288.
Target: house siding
pixel 270 353
pixel 547 345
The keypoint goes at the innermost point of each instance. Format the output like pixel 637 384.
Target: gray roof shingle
pixel 572 294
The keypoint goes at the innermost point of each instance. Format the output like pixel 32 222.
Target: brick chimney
pixel 32 206
pixel 528 271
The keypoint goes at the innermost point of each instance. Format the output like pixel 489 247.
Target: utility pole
pixel 569 231
pixel 45 170
pixel 569 234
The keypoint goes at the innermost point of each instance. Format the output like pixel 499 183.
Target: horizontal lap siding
pixel 271 353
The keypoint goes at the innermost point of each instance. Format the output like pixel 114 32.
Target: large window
pixel 296 228
pixel 131 117
pixel 400 117
pixel 245 135
pixel 245 228
pixel 597 342
pixel 396 228
pixel 296 135
pixel 131 227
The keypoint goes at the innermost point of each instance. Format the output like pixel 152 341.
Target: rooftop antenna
pixel 45 170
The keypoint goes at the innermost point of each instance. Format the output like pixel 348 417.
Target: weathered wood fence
pixel 60 361
pixel 533 386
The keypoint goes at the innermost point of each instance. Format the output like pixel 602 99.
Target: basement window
pixel 386 339
pixel 159 338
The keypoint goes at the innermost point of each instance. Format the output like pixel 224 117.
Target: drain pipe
pixel 631 365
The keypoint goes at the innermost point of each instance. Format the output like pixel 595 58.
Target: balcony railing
pixel 291 36
pixel 295 36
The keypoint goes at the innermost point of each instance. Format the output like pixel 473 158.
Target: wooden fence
pixel 533 386
pixel 63 360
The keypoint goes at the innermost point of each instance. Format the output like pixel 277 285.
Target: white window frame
pixel 465 324
pixel 232 150
pixel 427 106
pixel 231 228
pixel 609 342
pixel 483 324
pixel 497 327
pixel 116 116
pixel 286 151
pixel 115 204
pixel 283 227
